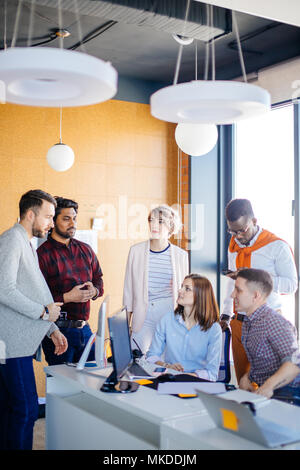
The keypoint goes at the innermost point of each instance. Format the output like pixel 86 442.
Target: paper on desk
pixel 242 395
pixel 190 388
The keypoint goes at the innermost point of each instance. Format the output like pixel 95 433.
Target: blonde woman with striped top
pixel 154 272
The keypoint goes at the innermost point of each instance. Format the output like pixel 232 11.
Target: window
pixel 264 174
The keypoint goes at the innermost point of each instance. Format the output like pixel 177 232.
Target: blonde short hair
pixel 171 217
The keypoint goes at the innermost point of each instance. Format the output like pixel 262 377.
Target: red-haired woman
pixel 190 338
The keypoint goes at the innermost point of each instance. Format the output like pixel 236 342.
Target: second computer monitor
pixel 120 343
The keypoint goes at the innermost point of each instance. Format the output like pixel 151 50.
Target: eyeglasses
pixel 239 232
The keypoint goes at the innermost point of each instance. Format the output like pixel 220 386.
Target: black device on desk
pixel 122 357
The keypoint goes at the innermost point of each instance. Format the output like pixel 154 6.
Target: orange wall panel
pixel 123 157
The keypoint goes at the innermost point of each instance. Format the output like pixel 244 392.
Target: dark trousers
pixel 288 394
pixel 18 404
pixel 77 340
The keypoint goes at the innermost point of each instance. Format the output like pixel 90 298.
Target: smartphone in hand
pixel 227 271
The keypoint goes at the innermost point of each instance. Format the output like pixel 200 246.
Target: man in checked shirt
pixel 270 341
pixel 74 276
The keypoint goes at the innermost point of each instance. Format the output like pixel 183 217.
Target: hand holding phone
pixel 227 271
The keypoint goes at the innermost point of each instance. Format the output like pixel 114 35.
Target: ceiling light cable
pixel 206 63
pixel 5 25
pixel 94 34
pixel 235 25
pixel 31 20
pixel 17 21
pixel 181 45
pixel 80 34
pixel 60 125
pixel 60 24
pixel 213 56
pixel 196 61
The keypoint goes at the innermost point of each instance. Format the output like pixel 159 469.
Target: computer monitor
pixel 121 354
pixel 100 334
pixel 98 338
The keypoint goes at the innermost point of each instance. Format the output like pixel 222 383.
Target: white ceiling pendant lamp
pixel 60 156
pixel 210 101
pixel 54 77
pixel 193 138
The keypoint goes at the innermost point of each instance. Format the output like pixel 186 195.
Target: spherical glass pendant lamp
pixel 196 139
pixel 60 157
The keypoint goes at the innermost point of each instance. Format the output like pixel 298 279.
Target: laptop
pixel 238 419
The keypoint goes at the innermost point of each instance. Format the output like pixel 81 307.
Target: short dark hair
pixel 63 203
pixel 237 208
pixel 259 277
pixel 33 199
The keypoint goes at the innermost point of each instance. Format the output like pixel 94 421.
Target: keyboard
pixel 280 436
pixel 149 367
pixel 137 371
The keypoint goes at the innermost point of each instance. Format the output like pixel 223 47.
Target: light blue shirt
pixel 196 350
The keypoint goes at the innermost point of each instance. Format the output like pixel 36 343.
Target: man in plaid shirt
pixel 74 277
pixel 270 341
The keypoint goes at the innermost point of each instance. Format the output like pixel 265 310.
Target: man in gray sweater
pixel 27 313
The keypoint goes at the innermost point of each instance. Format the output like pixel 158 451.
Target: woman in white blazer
pixel 155 271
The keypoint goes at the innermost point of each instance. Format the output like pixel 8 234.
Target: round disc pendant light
pixel 52 77
pixel 210 102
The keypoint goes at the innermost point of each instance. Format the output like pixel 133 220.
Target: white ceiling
pixel 284 11
pixel 144 51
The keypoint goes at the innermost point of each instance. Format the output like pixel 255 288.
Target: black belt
pixel 70 323
pixel 240 317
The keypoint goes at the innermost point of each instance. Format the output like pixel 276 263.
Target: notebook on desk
pixel 238 419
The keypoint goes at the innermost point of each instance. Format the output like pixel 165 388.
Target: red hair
pixel 205 308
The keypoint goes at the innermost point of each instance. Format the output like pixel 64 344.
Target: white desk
pixel 80 416
pixel 189 433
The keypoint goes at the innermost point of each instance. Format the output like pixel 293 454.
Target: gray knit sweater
pixel 23 295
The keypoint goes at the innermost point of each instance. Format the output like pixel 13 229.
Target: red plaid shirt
pixel 269 341
pixel 64 267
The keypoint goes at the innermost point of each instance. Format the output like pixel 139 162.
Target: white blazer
pixel 135 295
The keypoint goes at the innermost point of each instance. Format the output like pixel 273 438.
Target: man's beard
pixel 38 233
pixel 66 234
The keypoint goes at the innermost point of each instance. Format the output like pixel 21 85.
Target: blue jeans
pixel 288 394
pixel 18 404
pixel 77 340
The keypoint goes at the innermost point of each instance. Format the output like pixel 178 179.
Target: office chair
pixel 224 371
